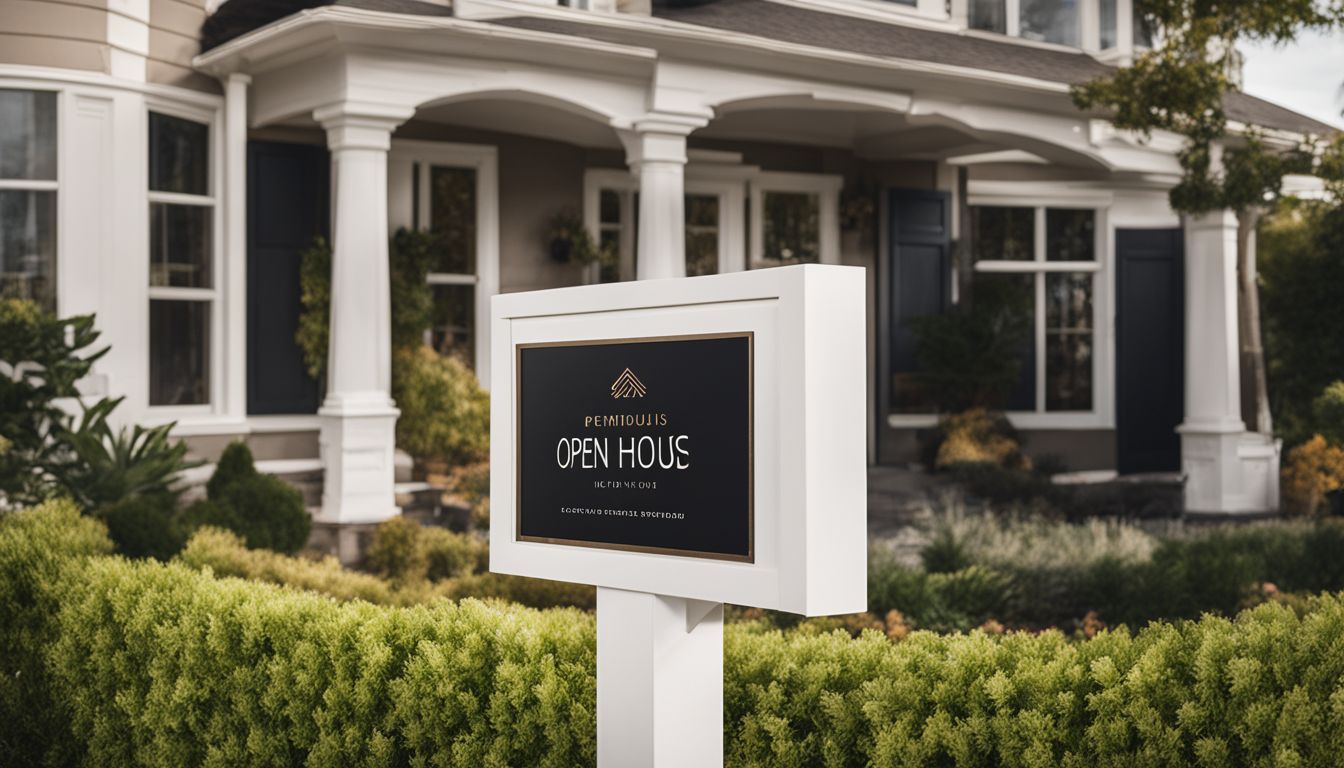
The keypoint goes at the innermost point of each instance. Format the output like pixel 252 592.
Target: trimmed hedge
pixel 224 554
pixel 1113 570
pixel 39 549
pixel 162 665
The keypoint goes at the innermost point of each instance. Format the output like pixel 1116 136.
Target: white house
pixel 162 163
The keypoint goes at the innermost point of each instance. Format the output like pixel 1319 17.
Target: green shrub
pixel 162 665
pixel 312 332
pixel 44 358
pixel 1262 690
pixel 410 256
pixel 47 451
pixel 445 415
pixel 959 600
pixel 35 547
pixel 396 551
pixel 146 526
pixel 1044 573
pixel 141 663
pixel 265 510
pixel 449 554
pixel 103 466
pixel 405 551
pixel 1327 412
pixel 225 554
pixel 534 593
pixel 971 357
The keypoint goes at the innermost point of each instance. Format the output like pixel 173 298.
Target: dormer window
pixel 1048 21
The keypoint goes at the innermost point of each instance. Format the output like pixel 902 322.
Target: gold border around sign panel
pixel 750 336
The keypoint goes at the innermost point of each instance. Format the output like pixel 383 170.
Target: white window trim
pixel 1102 415
pixel 1089 28
pixel 484 160
pixel 825 186
pixel 624 184
pixel 48 185
pixel 213 408
pixel 727 183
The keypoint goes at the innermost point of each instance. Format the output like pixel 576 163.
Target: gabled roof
pixel 790 24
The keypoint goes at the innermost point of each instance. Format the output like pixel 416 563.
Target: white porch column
pixel 657 155
pixel 358 415
pixel 235 244
pixel 1226 469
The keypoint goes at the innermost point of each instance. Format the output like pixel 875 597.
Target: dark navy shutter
pixel 920 280
pixel 1150 354
pixel 287 203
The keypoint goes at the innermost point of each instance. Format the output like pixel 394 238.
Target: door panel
pixel 287 197
pixel 1150 353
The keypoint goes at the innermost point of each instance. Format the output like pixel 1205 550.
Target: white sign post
pixel 682 444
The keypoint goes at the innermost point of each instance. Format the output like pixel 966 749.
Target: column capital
pixel 671 123
pixel 361 125
pixel 239 78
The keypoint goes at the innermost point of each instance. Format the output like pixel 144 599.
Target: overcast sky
pixel 1306 76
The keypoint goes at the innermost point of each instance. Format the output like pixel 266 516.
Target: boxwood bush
pixel 155 664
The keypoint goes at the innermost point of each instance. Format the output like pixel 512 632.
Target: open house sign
pixel 638 444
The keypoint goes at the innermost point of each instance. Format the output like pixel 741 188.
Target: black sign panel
pixel 638 444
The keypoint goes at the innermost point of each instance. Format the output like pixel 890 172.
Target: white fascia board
pixel 299 35
pixel 249 50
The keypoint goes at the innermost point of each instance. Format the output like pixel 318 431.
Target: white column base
pixel 358 443
pixel 1229 471
pixel 659 681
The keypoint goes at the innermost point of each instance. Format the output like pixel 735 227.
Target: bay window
pixel 28 189
pixel 182 285
pixel 1041 264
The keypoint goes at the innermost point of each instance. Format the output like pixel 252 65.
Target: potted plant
pixel 567 239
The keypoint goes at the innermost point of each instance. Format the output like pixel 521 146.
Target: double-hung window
pixel 182 289
pixel 28 196
pixel 1043 264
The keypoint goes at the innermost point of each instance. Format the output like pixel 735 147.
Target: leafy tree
pixel 1180 87
pixel 1301 246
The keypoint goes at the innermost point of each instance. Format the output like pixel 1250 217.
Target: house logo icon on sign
pixel 627 385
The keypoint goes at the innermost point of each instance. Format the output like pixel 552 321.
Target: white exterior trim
pixel 221 359
pixel 727 182
pixel 102 226
pixel 484 160
pixel 825 186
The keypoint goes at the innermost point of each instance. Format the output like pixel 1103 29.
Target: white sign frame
pixel 810 436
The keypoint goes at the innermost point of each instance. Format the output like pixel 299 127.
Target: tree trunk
pixel 1254 383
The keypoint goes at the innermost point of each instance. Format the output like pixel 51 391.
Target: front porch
pixel 699 165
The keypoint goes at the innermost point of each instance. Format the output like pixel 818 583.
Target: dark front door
pixel 287 204
pixel 1150 358
pixel 919 286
